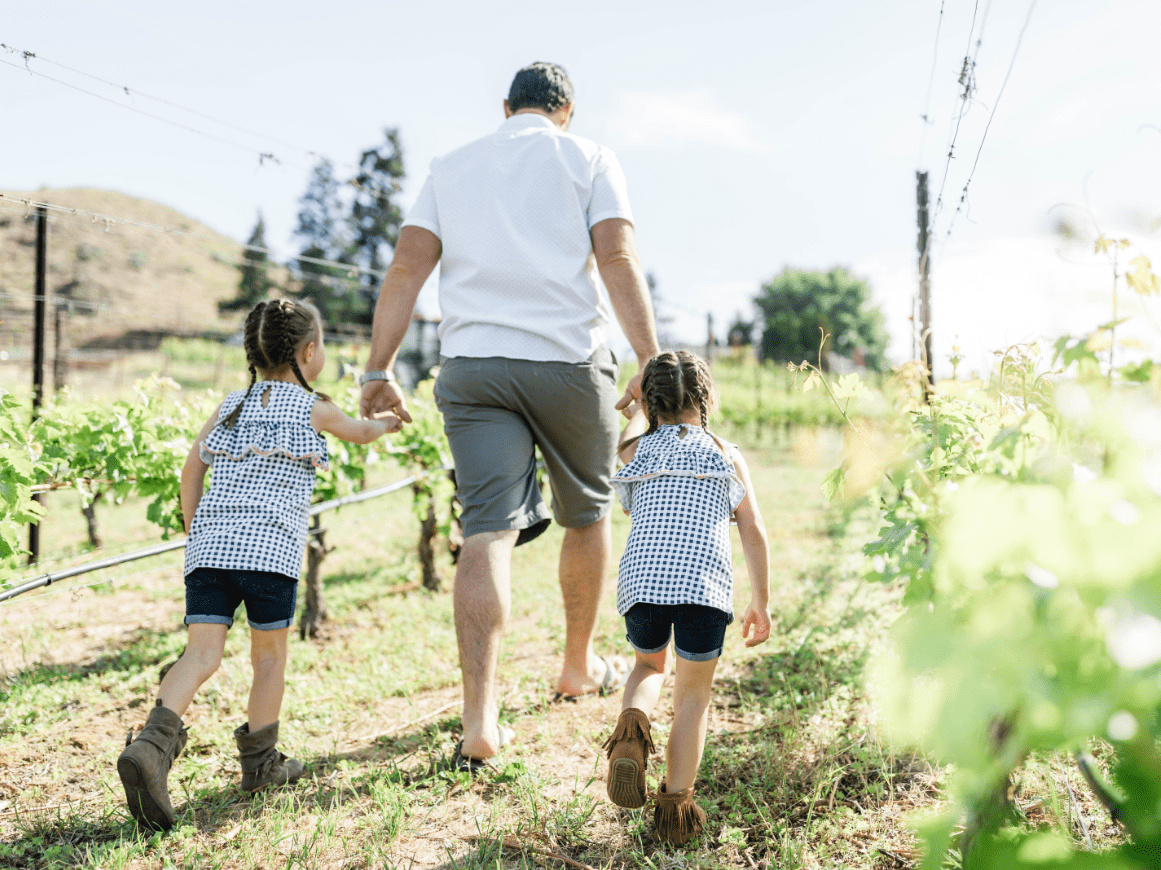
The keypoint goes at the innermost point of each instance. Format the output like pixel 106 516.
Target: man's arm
pixel 415 257
pixel 616 257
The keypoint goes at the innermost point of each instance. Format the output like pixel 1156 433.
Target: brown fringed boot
pixel 628 753
pixel 262 764
pixel 144 767
pixel 677 819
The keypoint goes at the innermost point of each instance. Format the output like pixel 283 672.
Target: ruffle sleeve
pixel 669 456
pixel 297 442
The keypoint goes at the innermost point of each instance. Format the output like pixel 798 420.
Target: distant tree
pixel 320 210
pixel 255 283
pixel 322 231
pixel 741 332
pixel 375 217
pixel 362 235
pixel 796 304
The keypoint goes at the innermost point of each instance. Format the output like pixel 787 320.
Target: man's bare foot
pixel 485 745
pixel 606 674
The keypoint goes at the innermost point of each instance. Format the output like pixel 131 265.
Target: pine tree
pixel 255 283
pixel 364 238
pixel 321 229
pixel 375 218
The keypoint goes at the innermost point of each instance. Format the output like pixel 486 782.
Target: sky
pixel 755 136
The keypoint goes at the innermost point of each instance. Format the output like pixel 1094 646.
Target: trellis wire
pixel 48 579
pixel 109 220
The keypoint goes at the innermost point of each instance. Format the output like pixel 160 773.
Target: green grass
pixel 372 708
pixel 795 774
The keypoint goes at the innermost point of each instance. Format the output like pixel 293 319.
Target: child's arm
pixel 328 417
pixel 756 549
pixel 193 473
pixel 633 430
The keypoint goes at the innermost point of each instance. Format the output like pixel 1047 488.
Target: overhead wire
pixel 926 116
pixel 75 303
pixel 967 82
pixel 262 156
pixel 134 92
pixel 991 116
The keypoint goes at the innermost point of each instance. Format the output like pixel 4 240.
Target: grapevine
pixel 1021 517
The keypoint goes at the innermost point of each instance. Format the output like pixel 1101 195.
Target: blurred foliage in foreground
pixel 1023 517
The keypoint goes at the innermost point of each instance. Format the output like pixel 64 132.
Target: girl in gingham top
pixel 681 486
pixel 247 535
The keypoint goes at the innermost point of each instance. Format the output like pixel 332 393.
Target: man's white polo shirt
pixel 513 212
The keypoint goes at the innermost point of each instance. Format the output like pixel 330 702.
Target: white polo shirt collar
pixel 525 121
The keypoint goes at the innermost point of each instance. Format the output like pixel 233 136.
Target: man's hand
pixel 632 394
pixel 380 397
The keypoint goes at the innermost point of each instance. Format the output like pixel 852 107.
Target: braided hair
pixel 674 382
pixel 274 333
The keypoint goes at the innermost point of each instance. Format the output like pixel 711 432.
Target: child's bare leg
pixel 691 697
pixel 203 654
pixel 643 688
pixel 268 656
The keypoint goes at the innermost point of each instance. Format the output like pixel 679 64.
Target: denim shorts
pixel 213 594
pixel 699 632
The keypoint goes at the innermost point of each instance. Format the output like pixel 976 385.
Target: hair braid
pixel 652 414
pixel 274 332
pixel 233 417
pixel 298 374
pixel 251 342
pixel 673 383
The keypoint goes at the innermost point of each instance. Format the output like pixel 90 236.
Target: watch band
pixel 365 377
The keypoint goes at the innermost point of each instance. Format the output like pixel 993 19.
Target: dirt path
pixel 794 774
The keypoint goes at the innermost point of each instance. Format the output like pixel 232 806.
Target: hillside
pixel 139 280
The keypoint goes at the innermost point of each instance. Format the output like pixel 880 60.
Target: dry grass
pixel 142 279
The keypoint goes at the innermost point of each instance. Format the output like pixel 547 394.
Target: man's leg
pixel 585 557
pixel 482 599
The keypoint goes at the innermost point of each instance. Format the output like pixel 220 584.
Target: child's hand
pixel 390 422
pixel 758 619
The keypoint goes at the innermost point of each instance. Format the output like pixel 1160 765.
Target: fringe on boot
pixel 262 764
pixel 677 819
pixel 628 750
pixel 144 767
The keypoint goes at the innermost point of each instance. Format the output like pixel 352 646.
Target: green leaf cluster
pixel 130 447
pixel 1023 518
pixel 18 471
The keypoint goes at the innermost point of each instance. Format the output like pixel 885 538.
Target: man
pixel 519 219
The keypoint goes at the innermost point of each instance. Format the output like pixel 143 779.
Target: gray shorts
pixel 496 411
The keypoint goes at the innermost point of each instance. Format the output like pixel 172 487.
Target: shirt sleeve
pixel 624 490
pixel 424 213
pixel 610 197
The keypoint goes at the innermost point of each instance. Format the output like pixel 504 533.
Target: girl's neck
pixel 691 417
pixel 285 375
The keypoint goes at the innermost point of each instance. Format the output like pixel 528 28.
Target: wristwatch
pixel 376 376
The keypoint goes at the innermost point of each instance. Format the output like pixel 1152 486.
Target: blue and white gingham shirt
pixel 679 491
pixel 254 515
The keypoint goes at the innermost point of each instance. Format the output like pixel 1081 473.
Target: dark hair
pixel 672 383
pixel 540 86
pixel 275 331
